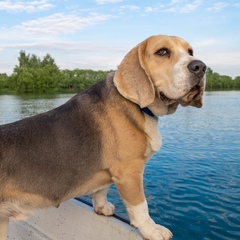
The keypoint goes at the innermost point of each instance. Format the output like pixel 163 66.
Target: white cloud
pixel 172 9
pixel 173 2
pixel 151 9
pixel 66 53
pixel 225 63
pixel 206 43
pixel 191 6
pixel 88 61
pixel 218 6
pixel 28 6
pixel 60 23
pixel 130 7
pixel 107 1
pixel 178 6
pixel 64 46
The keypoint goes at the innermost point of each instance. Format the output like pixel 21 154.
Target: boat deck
pixel 73 220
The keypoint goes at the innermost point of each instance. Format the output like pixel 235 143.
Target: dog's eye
pixel 190 52
pixel 163 52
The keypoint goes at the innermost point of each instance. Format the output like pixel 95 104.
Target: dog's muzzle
pixel 198 69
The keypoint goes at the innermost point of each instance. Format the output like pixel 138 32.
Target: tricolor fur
pixel 100 136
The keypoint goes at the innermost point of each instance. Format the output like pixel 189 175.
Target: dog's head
pixel 162 71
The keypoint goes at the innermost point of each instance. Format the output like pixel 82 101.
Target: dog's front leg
pixel 4 221
pixel 101 204
pixel 130 186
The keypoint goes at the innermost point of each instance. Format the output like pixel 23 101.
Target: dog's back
pixel 41 156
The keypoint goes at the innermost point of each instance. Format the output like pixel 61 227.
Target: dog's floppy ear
pixel 132 80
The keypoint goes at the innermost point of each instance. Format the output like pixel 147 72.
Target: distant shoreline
pixel 35 75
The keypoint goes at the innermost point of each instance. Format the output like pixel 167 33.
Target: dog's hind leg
pixel 4 221
pixel 101 204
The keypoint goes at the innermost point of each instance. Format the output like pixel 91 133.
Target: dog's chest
pixel 154 137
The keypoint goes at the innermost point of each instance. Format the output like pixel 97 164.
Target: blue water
pixel 193 183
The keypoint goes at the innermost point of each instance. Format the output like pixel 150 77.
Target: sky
pixel 97 34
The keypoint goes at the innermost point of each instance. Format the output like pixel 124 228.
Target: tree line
pixel 35 75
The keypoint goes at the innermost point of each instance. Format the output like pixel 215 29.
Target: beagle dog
pixel 103 135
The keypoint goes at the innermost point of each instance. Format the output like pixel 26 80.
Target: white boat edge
pixel 73 220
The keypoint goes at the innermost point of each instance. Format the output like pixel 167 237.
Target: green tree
pixel 227 82
pixel 215 81
pixel 34 61
pixel 236 83
pixel 3 81
pixel 80 79
pixel 35 75
pixel 23 59
pixel 25 81
pixel 209 79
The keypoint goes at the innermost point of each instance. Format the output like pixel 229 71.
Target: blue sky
pixel 96 34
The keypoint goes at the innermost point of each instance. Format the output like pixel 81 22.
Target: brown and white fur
pixel 100 136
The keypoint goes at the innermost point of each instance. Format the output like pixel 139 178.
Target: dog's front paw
pixel 160 233
pixel 107 209
pixel 152 231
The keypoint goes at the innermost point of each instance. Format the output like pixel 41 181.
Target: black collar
pixel 148 111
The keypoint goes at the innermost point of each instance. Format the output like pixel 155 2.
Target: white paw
pixel 107 209
pixel 153 231
pixel 160 233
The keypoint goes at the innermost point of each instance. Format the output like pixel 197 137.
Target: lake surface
pixel 193 183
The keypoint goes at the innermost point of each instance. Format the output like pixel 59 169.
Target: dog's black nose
pixel 197 67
